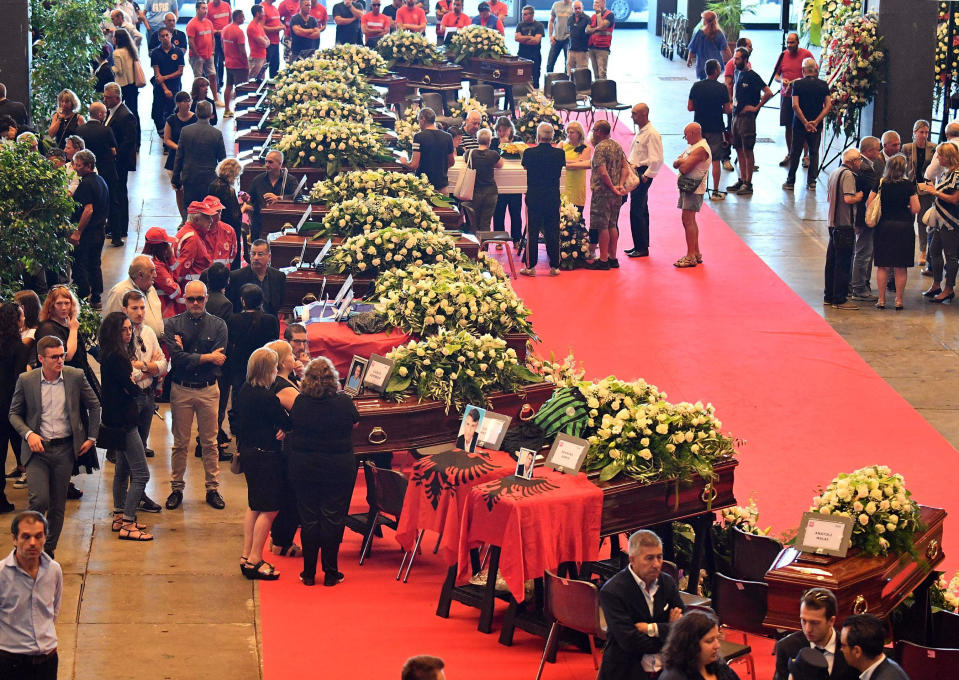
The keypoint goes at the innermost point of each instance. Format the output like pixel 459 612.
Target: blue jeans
pixel 131 470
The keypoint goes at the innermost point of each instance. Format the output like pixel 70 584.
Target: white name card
pixel 824 534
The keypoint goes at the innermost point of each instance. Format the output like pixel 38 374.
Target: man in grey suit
pixel 862 641
pixel 200 149
pixel 46 412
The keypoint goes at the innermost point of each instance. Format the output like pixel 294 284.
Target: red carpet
pixel 729 332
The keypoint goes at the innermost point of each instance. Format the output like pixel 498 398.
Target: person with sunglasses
pixel 375 24
pixel 817 617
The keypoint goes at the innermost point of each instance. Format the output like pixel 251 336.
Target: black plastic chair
pixel 551 78
pixel 927 663
pixel 437 102
pixel 484 95
pixel 583 80
pixel 752 555
pixel 574 605
pixel 603 98
pixel 945 629
pixel 389 489
pixel 564 99
pixel 741 606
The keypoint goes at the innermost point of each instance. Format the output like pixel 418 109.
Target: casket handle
pixel 496 74
pixel 526 413
pixel 427 79
pixel 932 550
pixel 377 436
pixel 709 494
pixel 859 605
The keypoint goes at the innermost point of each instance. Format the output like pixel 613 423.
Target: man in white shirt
pixel 142 273
pixel 934 169
pixel 149 363
pixel 646 157
pixel 863 639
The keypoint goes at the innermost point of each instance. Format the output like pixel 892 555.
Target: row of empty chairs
pixel 579 93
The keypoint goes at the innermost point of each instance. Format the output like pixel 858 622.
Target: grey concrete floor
pixel 177 608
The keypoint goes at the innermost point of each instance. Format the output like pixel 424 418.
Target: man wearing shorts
pixel 692 163
pixel 608 192
pixel 709 102
pixel 750 92
pixel 234 58
pixel 199 33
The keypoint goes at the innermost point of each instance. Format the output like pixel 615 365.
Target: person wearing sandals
pixel 120 411
pixel 322 466
pixel 693 165
pixel 262 424
pixel 286 388
pixel 944 244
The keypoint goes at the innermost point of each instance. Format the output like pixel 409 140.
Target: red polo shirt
pixel 219 15
pixel 234 47
pixel 405 15
pixel 254 32
pixel 200 32
pixel 273 20
pixel 319 13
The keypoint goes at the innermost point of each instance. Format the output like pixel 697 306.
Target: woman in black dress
pixel 119 411
pixel 261 427
pixel 201 92
pixel 224 188
pixel 322 467
pixel 692 650
pixel 67 118
pixel 180 118
pixel 894 242
pixel 14 356
pixel 287 521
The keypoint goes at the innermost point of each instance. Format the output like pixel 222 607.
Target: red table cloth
pixel 438 490
pixel 338 343
pixel 537 523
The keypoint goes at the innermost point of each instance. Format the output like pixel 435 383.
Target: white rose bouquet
pixel 319 109
pixel 315 90
pixel 376 182
pixel 406 127
pixel 331 143
pixel 475 41
pixel 364 59
pixel 534 109
pixel 886 517
pixel 368 213
pixel 945 593
pixel 573 236
pixel 457 369
pixel 408 48
pixel 464 105
pixel 390 248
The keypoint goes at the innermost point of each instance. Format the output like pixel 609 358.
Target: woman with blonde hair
pixel 287 521
pixel 60 317
pixel 894 240
pixel 506 134
pixel 223 187
pixel 322 467
pixel 578 159
pixel 709 42
pixel 262 424
pixel 67 118
pixel 944 225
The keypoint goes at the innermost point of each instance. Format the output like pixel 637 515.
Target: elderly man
pixel 472 124
pixel 693 165
pixel 817 617
pixel 126 128
pixel 600 32
pixel 177 37
pixel 871 166
pixel 750 93
pixel 198 152
pixel 141 275
pixel 197 342
pixel 57 415
pixel 544 165
pixel 92 208
pixel 640 604
pixel 270 280
pixel 607 196
pixel 863 639
pixel 433 152
pixel 811 104
pixel 100 140
pixel 118 20
pixel 843 198
pixel 529 35
pixel 31 591
pixel 891 145
pixel 192 254
pixel 266 189
pixel 789 69
pixel 646 157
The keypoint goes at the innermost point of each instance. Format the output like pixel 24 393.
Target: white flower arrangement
pixel 406 127
pixel 746 519
pixel 818 16
pixel 408 48
pixel 331 143
pixel 376 182
pixel 475 41
pixel 886 517
pixel 319 109
pixel 364 59
pixel 367 213
pixel 457 368
pixel 573 236
pixel 425 299
pixel 390 248
pixel 315 90
pixel 536 108
pixel 947 593
pixel 464 105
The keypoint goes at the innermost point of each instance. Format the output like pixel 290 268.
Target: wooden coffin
pixel 249 87
pixel 389 426
pixel 397 87
pixel 249 119
pixel 861 583
pixel 437 76
pixel 253 168
pixel 629 504
pixel 306 281
pixel 254 139
pixel 508 70
pixel 284 248
pixel 276 217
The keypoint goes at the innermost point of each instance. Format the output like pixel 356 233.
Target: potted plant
pixel 730 15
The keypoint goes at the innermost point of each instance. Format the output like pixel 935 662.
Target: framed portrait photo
pixel 525 462
pixel 353 383
pixel 567 453
pixel 468 436
pixel 492 430
pixel 378 372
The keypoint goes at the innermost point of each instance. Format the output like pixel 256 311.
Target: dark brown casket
pixel 245 121
pixel 397 87
pixel 389 426
pixel 436 76
pixel 274 218
pixel 249 87
pixel 284 248
pixel 254 139
pixel 861 583
pixel 253 168
pixel 309 282
pixel 507 69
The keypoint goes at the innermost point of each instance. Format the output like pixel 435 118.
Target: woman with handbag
pixel 127 71
pixel 943 219
pixel 261 426
pixel 118 428
pixel 919 154
pixel 894 238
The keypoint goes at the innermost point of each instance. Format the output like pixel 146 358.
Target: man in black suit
pixel 126 129
pixel 15 110
pixel 271 281
pixel 544 163
pixel 100 139
pixel 863 638
pixel 199 151
pixel 640 603
pixel 817 616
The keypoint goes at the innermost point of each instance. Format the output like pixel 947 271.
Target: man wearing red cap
pixel 220 239
pixel 192 254
pixel 159 247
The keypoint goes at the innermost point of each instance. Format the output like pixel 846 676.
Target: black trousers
pixel 639 215
pixel 287 520
pixel 839 252
pixel 26 667
pixel 7 434
pixel 120 206
pixel 218 59
pixel 802 137
pixel 513 203
pixel 87 273
pixel 323 485
pixel 273 59
pixel 162 109
pixel 554 50
pixel 542 216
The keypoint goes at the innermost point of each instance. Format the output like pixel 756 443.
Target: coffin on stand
pixel 285 247
pixel 254 139
pixel 273 218
pixel 438 76
pixel 253 168
pixel 397 87
pixel 507 70
pixel 249 119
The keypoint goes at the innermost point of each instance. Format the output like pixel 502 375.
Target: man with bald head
pixel 141 274
pixel 789 69
pixel 811 104
pixel 100 139
pixel 177 37
pixel 843 197
pixel 197 342
pixel 646 157
pixel 693 163
pixel 472 124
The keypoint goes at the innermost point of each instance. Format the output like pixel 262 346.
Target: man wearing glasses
pixel 375 24
pixel 817 616
pixel 295 334
pixel 197 343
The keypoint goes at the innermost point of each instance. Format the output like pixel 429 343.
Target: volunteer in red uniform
pixel 499 9
pixel 411 17
pixel 219 13
pixel 258 41
pixel 192 255
pixel 375 24
pixel 443 7
pixel 600 32
pixel 235 59
pixel 159 247
pixel 288 9
pixel 199 34
pixel 273 25
pixel 318 12
pixel 453 22
pixel 788 70
pixel 220 238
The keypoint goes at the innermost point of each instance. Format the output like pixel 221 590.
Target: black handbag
pixel 109 437
pixel 688 184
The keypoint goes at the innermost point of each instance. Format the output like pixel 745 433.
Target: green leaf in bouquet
pixel 398 383
pixel 611 471
pixel 311 228
pixel 526 375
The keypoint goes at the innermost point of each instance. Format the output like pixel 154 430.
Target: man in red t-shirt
pixel 375 24
pixel 318 12
pixel 453 22
pixel 499 9
pixel 235 59
pixel 409 17
pixel 288 9
pixel 273 25
pixel 199 34
pixel 219 14
pixel 256 37
pixel 443 7
pixel 789 69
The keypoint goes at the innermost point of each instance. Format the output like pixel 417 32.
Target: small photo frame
pixel 378 372
pixel 492 430
pixel 468 436
pixel 525 462
pixel 825 534
pixel 354 377
pixel 567 453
